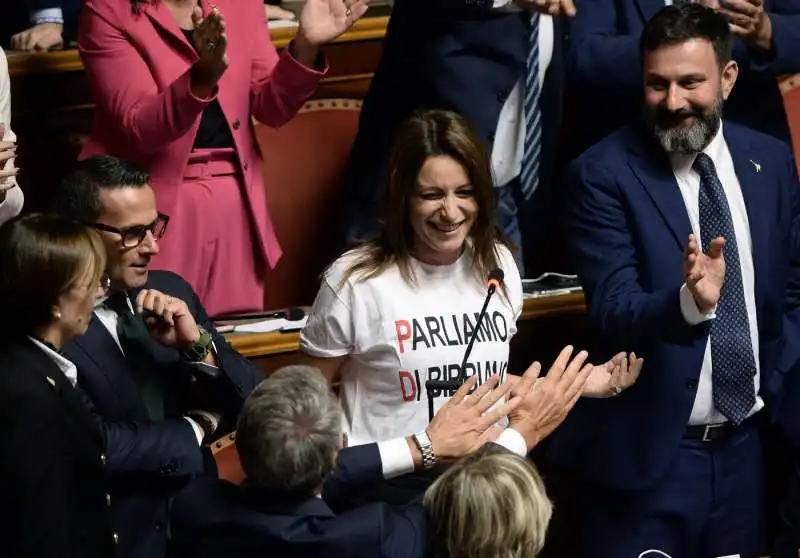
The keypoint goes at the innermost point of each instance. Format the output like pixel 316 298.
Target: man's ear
pixel 728 78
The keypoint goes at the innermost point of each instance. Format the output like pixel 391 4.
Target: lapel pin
pixel 52 381
pixel 757 166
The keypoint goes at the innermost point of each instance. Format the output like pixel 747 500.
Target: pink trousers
pixel 211 239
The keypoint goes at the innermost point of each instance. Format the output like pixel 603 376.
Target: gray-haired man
pixel 289 441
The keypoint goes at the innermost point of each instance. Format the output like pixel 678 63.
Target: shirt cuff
pixel 513 442
pixel 505 6
pixel 691 313
pixel 48 15
pixel 396 458
pixel 198 432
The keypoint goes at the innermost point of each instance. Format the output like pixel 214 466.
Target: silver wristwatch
pixel 426 449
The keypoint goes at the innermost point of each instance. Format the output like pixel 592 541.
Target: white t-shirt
pixel 400 335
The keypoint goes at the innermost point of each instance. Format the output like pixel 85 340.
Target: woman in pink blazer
pixel 176 83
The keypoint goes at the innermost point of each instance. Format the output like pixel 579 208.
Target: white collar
pixel 65 365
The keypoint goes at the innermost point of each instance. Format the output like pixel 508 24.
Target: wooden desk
pixel 254 345
pixel 52 107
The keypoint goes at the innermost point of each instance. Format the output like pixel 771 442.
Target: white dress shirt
pixel 65 365
pixel 12 205
pixel 396 456
pixel 109 319
pixel 704 411
pixel 509 138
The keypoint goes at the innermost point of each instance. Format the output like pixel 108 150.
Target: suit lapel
pixel 162 17
pixel 55 380
pixel 99 347
pixel 651 166
pixel 751 180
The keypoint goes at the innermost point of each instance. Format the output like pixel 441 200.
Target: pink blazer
pixel 138 67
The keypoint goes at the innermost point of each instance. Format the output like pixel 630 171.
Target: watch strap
pixel 199 349
pixel 426 449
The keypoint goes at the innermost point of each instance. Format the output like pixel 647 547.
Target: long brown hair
pixel 428 134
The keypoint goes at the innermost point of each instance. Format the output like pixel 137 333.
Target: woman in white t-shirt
pixel 399 310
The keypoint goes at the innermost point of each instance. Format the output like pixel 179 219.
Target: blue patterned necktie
pixel 733 364
pixel 529 174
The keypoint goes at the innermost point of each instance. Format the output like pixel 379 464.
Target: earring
pixel 58 315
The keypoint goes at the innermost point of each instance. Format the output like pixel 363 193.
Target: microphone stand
pixel 453 385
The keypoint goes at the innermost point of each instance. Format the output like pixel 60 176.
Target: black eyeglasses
pixel 135 235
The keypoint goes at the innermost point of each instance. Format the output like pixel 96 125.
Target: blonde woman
pixel 10 195
pixel 490 504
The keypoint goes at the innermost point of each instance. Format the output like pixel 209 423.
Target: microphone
pixel 494 281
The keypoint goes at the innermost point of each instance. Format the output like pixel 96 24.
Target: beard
pixel 677 137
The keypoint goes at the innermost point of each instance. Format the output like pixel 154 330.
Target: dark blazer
pixel 53 489
pixel 627 226
pixel 148 462
pixel 605 75
pixel 458 55
pixel 216 519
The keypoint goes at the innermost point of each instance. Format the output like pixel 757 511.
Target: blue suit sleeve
pixel 168 448
pixel 599 54
pixel 785 38
pixel 604 253
pixel 357 468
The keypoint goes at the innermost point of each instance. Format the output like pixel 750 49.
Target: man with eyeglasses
pixel 149 345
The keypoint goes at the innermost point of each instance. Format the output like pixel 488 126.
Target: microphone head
pixel 495 279
pixel 295 314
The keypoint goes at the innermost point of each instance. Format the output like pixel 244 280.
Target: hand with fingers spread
pixel 167 318
pixel 465 422
pixel 551 7
pixel 324 20
pixel 545 404
pixel 211 43
pixel 8 152
pixel 613 377
pixel 704 273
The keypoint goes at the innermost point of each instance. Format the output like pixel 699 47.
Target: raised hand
pixel 464 423
pixel 8 152
pixel 211 43
pixel 616 375
pixel 747 19
pixel 704 273
pixel 324 20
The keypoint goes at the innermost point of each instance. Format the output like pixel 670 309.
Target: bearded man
pixel 684 230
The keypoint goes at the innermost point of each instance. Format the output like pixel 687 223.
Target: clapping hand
pixel 324 20
pixel 616 375
pixel 746 19
pixel 546 402
pixel 467 421
pixel 551 7
pixel 8 152
pixel 704 273
pixel 211 43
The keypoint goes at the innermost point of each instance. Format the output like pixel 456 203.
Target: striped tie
pixel 529 175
